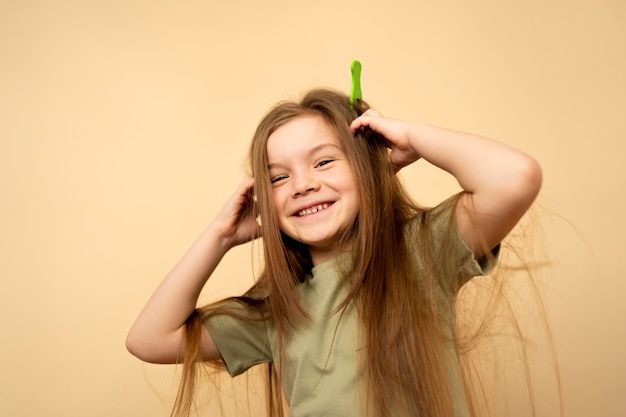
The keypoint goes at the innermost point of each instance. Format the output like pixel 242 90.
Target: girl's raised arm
pixel 500 182
pixel 158 334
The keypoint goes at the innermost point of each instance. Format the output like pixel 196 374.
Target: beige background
pixel 124 126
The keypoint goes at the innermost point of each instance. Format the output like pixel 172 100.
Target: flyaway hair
pixel 404 333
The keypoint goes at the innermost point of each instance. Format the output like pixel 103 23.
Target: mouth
pixel 313 209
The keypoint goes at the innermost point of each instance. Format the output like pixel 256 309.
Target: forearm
pixel 500 182
pixel 160 325
pixel 480 165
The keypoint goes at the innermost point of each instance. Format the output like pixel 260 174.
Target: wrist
pixel 216 239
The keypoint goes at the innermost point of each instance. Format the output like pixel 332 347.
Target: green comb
pixel 355 92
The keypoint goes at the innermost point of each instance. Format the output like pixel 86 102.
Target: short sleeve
pixel 435 236
pixel 241 337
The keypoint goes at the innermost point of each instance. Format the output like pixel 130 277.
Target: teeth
pixel 313 209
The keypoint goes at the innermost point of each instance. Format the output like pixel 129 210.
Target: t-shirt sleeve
pixel 241 337
pixel 436 236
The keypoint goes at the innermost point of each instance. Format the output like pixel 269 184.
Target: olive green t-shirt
pixel 322 375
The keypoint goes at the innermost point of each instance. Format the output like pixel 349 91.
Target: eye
pixel 323 162
pixel 277 178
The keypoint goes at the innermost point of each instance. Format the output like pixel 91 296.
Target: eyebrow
pixel 312 151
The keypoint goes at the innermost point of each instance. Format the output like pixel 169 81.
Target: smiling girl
pixel 354 312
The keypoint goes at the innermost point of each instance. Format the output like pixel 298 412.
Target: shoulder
pixel 436 244
pixel 239 330
pixel 435 221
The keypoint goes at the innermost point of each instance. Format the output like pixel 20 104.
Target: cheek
pixel 356 200
pixel 350 185
pixel 279 205
pixel 277 198
pixel 276 211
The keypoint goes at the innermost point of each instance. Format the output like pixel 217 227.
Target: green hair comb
pixel 355 92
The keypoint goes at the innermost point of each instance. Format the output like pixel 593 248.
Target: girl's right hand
pixel 236 222
pixel 158 334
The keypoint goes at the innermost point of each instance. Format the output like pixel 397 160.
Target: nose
pixel 304 183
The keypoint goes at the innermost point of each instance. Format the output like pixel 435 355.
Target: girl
pixel 354 312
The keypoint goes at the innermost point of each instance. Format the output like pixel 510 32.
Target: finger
pixel 246 184
pixel 246 194
pixel 395 166
pixel 364 120
pixel 359 123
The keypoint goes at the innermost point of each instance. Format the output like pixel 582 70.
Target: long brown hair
pixel 405 337
pixel 395 313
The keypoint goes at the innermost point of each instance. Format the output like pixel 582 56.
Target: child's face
pixel 314 190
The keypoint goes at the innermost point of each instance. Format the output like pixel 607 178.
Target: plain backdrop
pixel 124 127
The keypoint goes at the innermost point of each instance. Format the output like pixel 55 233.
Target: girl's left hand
pixel 396 134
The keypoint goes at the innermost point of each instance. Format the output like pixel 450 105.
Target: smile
pixel 312 210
